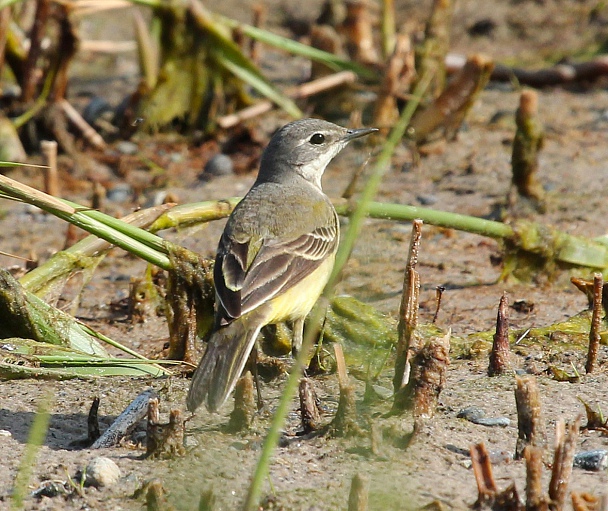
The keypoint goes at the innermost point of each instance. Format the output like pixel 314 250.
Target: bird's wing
pixel 250 272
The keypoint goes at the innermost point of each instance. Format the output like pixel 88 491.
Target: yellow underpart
pixel 298 301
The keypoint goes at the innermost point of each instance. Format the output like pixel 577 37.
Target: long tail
pixel 227 352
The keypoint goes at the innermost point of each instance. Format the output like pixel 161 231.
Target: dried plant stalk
pixel 596 323
pixel 30 74
pixel 88 132
pixel 359 33
pixel 430 57
pixel 51 176
pixel 398 75
pixel 536 498
pixel 325 38
pixel 530 422
pixel 527 143
pixel 309 411
pixel 93 432
pixel 259 19
pixel 345 421
pixel 429 368
pixel 165 441
pixel 565 445
pixel 500 354
pixel 359 490
pixel 482 469
pixel 408 341
pixel 305 90
pixel 488 496
pixel 244 410
pixel 449 109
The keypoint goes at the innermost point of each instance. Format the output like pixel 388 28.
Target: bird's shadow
pixel 65 431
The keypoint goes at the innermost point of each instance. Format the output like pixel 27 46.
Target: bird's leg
pixel 253 364
pixel 298 336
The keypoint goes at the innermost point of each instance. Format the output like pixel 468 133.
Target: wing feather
pixel 277 266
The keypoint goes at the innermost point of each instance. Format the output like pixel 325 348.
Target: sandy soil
pixel 471 176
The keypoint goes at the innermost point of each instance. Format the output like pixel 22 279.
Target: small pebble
pixel 122 192
pixel 595 460
pixel 426 200
pixel 218 165
pixel 102 471
pixel 476 415
pixel 126 147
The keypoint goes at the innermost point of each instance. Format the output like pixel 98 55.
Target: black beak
pixel 352 134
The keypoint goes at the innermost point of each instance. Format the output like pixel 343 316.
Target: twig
pixel 303 91
pixel 51 177
pixel 499 356
pixel 88 132
pixel 596 323
pixel 103 46
pixel 438 296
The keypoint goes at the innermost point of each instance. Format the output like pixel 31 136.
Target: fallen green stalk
pixel 27 358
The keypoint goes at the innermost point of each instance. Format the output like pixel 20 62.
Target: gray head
pixel 305 147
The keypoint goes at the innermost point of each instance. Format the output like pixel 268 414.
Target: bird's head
pixel 305 147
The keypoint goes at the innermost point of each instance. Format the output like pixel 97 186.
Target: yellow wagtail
pixel 275 255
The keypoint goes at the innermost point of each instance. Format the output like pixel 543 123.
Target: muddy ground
pixel 470 175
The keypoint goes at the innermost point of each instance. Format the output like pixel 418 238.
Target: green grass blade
pixel 35 440
pixel 329 59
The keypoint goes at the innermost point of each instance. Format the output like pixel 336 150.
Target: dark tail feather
pixel 222 364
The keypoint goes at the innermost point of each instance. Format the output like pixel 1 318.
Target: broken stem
pixel 407 342
pixel 596 322
pixel 499 356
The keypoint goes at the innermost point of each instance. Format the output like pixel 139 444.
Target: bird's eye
pixel 317 138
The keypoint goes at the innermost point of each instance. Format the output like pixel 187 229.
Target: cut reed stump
pixel 530 422
pixel 527 144
pixel 500 354
pixel 596 323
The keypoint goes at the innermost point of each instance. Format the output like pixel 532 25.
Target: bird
pixel 275 255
